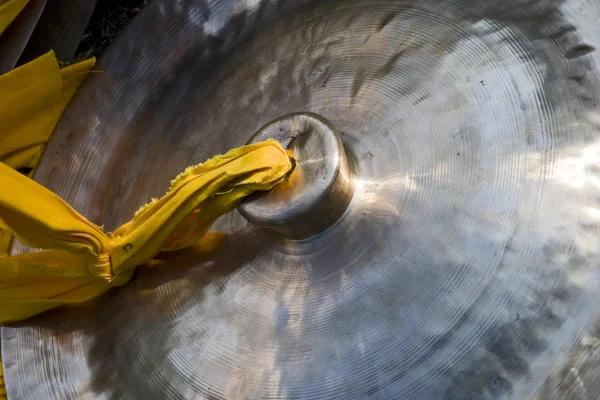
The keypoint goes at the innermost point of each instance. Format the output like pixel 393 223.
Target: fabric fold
pixel 9 10
pixel 32 99
pixel 81 262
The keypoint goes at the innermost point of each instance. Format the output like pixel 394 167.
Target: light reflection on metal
pixel 467 263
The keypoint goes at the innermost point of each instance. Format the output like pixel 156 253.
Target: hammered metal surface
pixel 467 265
pixel 14 39
pixel 317 192
pixel 61 28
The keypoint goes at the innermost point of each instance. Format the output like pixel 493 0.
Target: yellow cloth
pixel 32 99
pixel 2 388
pixel 84 262
pixel 9 11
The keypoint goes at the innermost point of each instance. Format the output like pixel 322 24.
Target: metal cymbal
pixel 465 265
pixel 18 33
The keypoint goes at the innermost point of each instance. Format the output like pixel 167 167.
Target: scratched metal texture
pixel 466 266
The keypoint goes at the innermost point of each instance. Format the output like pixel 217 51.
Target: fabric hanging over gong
pixel 82 262
pixel 32 100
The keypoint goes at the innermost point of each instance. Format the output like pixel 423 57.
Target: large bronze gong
pixel 453 251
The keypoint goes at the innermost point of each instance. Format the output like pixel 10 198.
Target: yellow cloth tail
pixel 81 262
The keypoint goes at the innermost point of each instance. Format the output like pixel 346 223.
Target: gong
pixel 441 244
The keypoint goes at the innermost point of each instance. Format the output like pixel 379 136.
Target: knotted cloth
pixel 82 262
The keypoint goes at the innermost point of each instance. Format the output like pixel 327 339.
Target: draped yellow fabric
pixel 81 261
pixel 32 99
pixel 2 387
pixel 78 261
pixel 9 11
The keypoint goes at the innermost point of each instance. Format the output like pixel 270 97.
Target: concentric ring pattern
pixel 466 266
